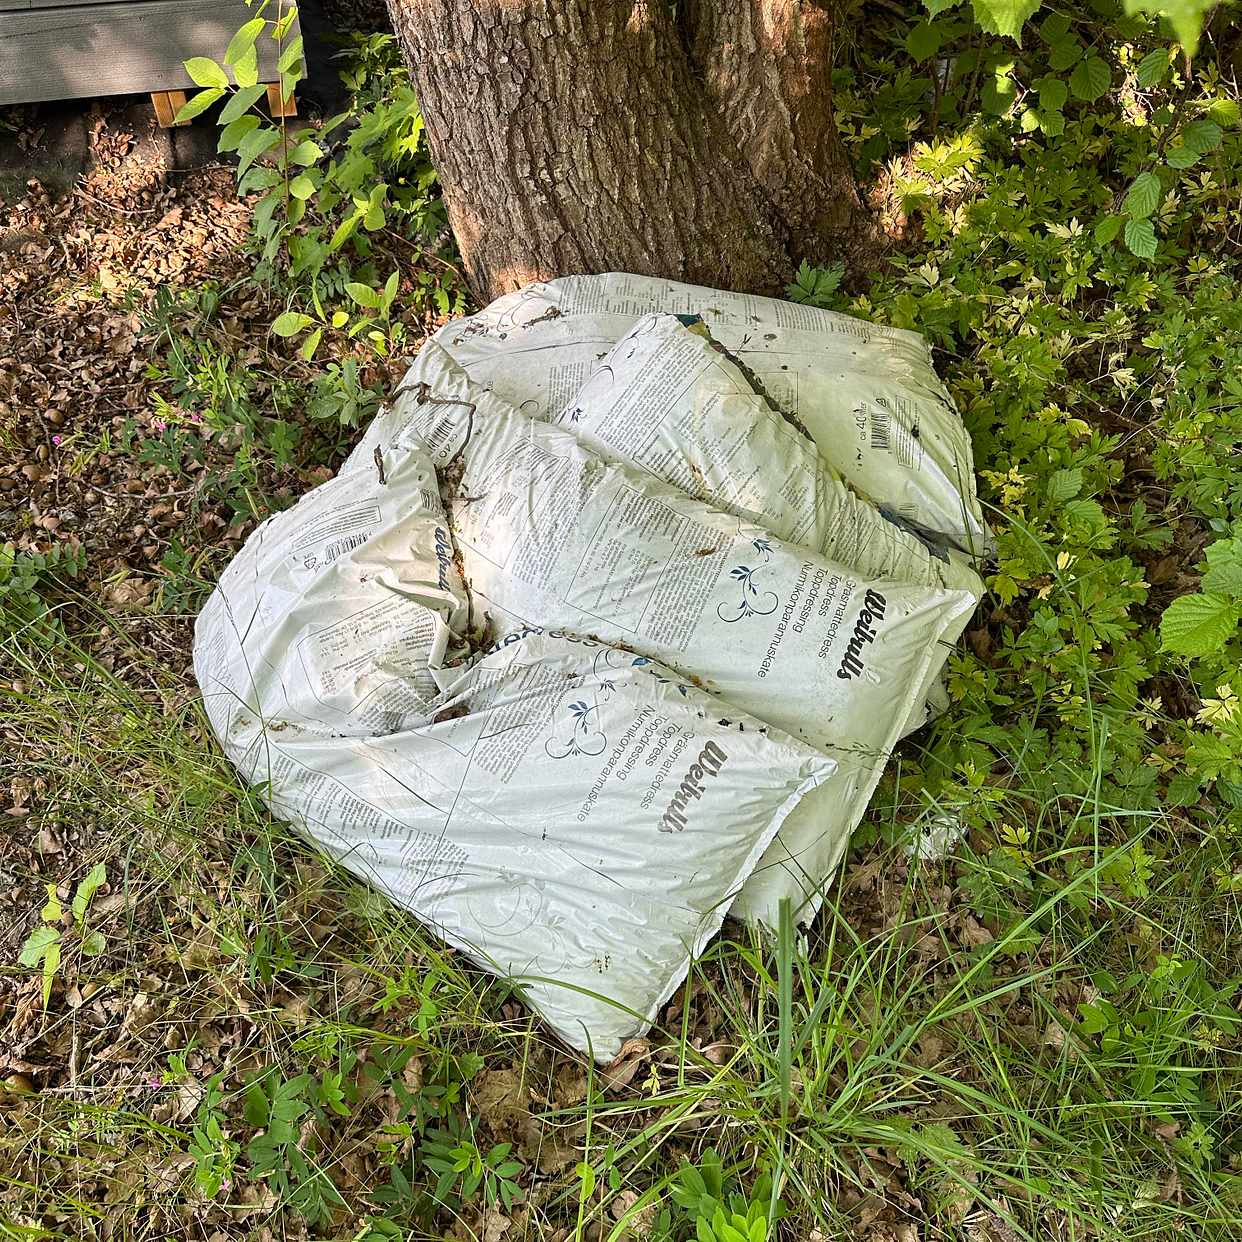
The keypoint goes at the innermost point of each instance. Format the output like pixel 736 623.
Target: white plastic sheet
pixel 549 533
pixel 573 816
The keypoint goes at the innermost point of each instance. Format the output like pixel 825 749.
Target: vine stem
pixel 280 86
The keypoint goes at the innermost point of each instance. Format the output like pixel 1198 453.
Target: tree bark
pixel 595 135
pixel 767 65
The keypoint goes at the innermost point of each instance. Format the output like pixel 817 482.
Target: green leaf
pixel 1054 27
pixel 344 231
pixel 86 890
pixel 241 102
pixel 51 961
pixel 1064 53
pixel 1143 196
pixel 246 71
pixel 1202 135
pixel 1107 229
pixel 1225 111
pixel 1052 94
pixel 233 133
pixel 93 943
pixel 1181 157
pixel 244 40
pixel 291 323
pixel 1224 571
pixel 924 40
pixel 254 1106
pixel 1004 17
pixel 306 153
pixel 36 945
pixel 1141 238
pixel 1091 78
pixel 1185 16
pixel 1052 123
pixel 198 103
pixel 280 28
pixel 1152 68
pixel 374 218
pixel 254 144
pixel 1184 789
pixel 51 912
pixel 999 91
pixel 1095 1018
pixel 587 1175
pixel 1198 625
pixel 1064 485
pixel 291 56
pixel 204 71
pixel 364 295
pixel 311 344
pixel 390 290
pixel 262 179
pixel 301 187
pixel 943 1140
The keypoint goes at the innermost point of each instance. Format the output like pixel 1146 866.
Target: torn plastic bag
pixel 868 394
pixel 550 533
pixel 342 605
pixel 573 817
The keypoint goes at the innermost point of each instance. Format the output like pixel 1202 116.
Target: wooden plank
pixel 167 104
pixel 119 47
pixel 9 5
pixel 280 107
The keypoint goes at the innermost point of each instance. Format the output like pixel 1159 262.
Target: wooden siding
pixel 113 47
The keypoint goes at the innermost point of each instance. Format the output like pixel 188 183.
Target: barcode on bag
pixel 880 424
pixel 440 436
pixel 340 546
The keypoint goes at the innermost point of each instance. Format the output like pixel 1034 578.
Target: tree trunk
pixel 767 66
pixel 595 135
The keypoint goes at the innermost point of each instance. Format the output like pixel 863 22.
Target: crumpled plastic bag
pixel 608 692
pixel 551 534
pixel 571 815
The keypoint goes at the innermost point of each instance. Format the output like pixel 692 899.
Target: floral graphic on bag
pixel 754 602
pixel 585 737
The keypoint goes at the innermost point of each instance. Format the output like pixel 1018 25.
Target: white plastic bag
pixel 669 400
pixel 343 606
pixel 868 394
pixel 549 533
pixel 573 817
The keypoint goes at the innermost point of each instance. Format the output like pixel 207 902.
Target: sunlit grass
pixel 902 1054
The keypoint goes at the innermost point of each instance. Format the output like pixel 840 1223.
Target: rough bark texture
pixel 767 66
pixel 594 135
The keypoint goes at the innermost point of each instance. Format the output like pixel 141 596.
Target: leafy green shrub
pixel 28 580
pixel 324 194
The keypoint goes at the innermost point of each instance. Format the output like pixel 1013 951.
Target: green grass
pixel 904 1056
pixel 1035 1038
